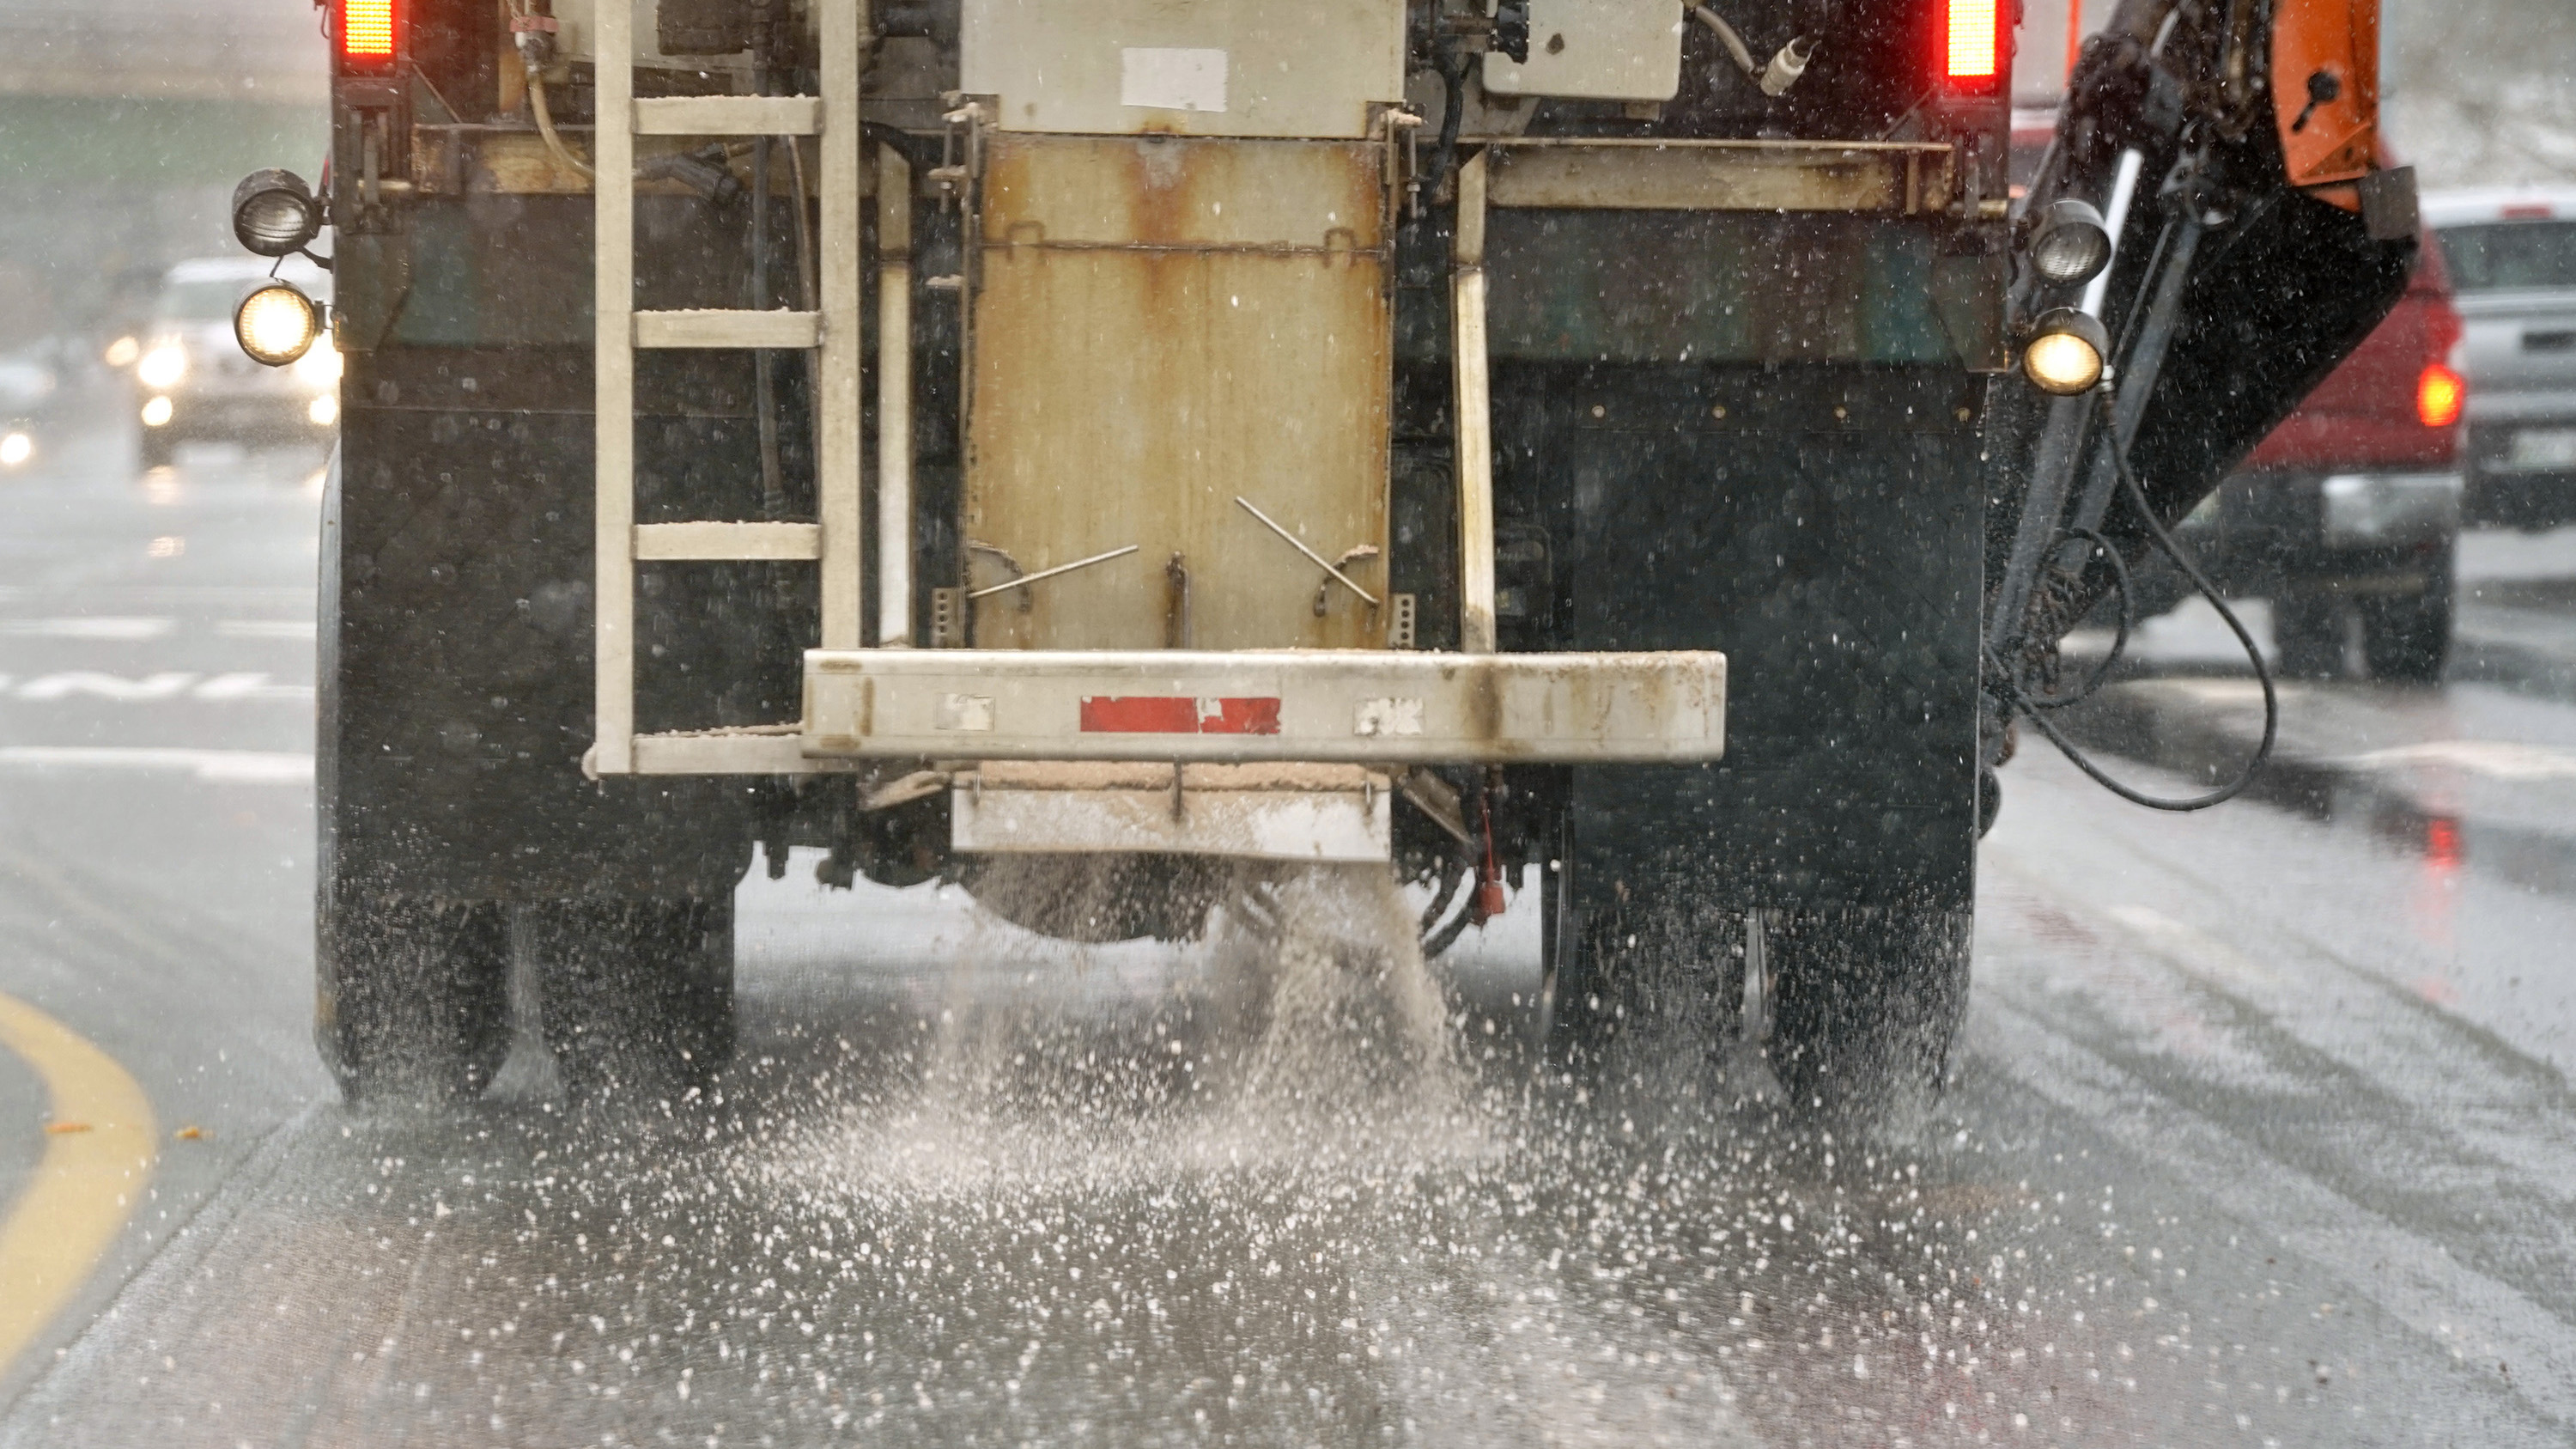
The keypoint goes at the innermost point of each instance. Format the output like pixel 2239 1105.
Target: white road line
pixel 94 627
pixel 2452 1305
pixel 265 628
pixel 246 767
pixel 2495 759
pixel 251 685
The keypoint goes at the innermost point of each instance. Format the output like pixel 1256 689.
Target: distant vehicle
pixel 2348 515
pixel 192 382
pixel 27 388
pixel 2512 256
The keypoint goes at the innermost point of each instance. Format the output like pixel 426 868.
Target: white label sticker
pixel 1172 80
pixel 1383 717
pixel 965 712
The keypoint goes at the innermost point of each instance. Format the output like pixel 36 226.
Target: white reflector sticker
pixel 1172 80
pixel 964 712
pixel 1387 717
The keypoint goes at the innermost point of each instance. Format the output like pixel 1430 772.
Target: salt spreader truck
pixel 1109 453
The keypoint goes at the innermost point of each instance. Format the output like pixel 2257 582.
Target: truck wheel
pixel 412 1004
pixel 157 448
pixel 1865 1004
pixel 2309 634
pixel 637 994
pixel 2408 639
pixel 1638 988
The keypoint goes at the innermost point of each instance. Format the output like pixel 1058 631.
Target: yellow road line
pixel 88 1183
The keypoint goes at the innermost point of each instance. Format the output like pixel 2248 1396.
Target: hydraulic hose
pixel 2037 712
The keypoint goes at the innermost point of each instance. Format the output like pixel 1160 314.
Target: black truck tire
pixel 2407 637
pixel 1641 994
pixel 412 1002
pixel 157 448
pixel 1865 1004
pixel 637 995
pixel 2308 633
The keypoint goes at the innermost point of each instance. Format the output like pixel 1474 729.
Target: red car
pixel 2347 517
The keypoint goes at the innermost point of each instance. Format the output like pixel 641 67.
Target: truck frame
pixel 1174 448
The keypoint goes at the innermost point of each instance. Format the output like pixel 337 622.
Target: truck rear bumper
pixel 1378 707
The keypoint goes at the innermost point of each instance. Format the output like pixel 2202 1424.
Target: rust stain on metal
pixel 1165 323
pixel 1720 177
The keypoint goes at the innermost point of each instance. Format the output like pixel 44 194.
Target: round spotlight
pixel 2064 354
pixel 156 413
pixel 274 213
pixel 276 324
pixel 163 366
pixel 16 448
pixel 2070 244
pixel 122 352
pixel 323 411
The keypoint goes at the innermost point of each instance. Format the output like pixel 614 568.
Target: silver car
pixel 192 382
pixel 2512 257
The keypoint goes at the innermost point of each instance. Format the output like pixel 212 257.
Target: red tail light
pixel 2439 394
pixel 1971 58
pixel 366 31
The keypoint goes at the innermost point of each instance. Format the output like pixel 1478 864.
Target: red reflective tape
pixel 1139 715
pixel 1239 717
pixel 1177 714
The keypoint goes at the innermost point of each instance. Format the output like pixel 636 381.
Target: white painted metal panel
pixel 717 327
pixel 1359 706
pixel 1610 50
pixel 1207 68
pixel 729 116
pixel 1292 825
pixel 785 541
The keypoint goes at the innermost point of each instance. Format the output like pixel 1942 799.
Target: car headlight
pixel 2064 354
pixel 163 366
pixel 16 448
pixel 276 324
pixel 274 213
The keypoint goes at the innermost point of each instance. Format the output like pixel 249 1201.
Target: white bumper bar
pixel 1357 706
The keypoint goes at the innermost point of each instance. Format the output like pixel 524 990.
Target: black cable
pixel 2163 540
pixel 2119 642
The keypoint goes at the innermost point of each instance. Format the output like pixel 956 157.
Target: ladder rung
pixel 729 116
pixel 728 541
pixel 718 328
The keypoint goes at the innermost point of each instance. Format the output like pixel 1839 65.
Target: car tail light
pixel 366 31
pixel 1971 57
pixel 2439 394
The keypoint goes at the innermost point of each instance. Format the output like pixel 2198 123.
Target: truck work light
pixel 274 213
pixel 2064 355
pixel 276 324
pixel 2070 244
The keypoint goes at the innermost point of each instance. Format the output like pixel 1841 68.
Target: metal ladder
pixel 833 541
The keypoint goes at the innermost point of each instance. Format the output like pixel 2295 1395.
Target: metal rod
pixel 894 399
pixel 1299 545
pixel 836 401
pixel 1080 563
pixel 613 395
pixel 1474 439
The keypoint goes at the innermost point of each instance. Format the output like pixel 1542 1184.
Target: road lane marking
pixel 166 685
pixel 248 767
pixel 266 628
pixel 2495 759
pixel 94 627
pixel 86 1185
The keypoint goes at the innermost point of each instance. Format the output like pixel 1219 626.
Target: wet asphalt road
pixel 2262 1135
